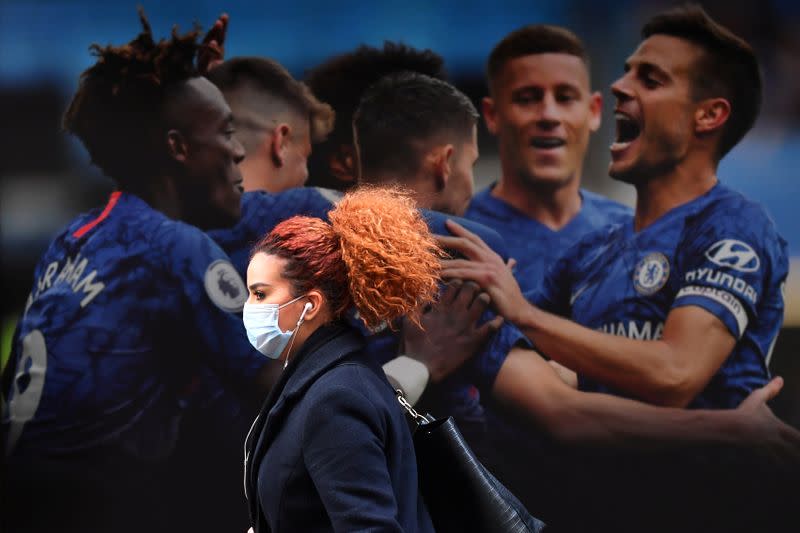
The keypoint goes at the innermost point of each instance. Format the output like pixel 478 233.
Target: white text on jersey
pixel 71 274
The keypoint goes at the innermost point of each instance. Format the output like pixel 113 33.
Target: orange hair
pixel 376 254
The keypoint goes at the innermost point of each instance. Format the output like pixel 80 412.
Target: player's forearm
pixel 600 419
pixel 530 386
pixel 644 369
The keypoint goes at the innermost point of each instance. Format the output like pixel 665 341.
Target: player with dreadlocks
pixel 129 301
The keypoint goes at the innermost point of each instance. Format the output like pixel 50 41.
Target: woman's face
pixel 267 285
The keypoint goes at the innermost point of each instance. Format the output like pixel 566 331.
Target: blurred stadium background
pixel 46 178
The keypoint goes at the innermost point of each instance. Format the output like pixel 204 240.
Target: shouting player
pixel 682 306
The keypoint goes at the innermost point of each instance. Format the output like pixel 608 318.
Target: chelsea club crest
pixel 651 274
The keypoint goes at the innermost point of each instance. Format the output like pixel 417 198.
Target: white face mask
pixel 261 323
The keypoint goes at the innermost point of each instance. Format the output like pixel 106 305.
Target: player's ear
pixel 711 114
pixel 177 147
pixel 279 144
pixel 595 110
pixel 342 164
pixel 357 158
pixel 441 158
pixel 489 114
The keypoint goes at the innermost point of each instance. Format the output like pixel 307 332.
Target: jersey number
pixel 28 385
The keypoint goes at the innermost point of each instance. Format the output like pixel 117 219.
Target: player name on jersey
pixel 70 272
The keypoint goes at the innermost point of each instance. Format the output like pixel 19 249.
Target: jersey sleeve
pixel 486 365
pixel 213 294
pixel 727 265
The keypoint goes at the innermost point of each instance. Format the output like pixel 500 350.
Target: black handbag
pixel 461 494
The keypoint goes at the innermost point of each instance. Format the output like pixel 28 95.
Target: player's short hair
pixel 117 109
pixel 375 254
pixel 399 116
pixel 532 40
pixel 342 80
pixel 728 68
pixel 275 89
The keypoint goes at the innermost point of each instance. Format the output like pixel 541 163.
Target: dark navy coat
pixel 331 449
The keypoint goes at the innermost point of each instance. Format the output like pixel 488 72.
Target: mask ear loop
pixel 306 308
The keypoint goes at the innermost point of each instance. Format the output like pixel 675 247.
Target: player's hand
pixel 450 333
pixel 212 49
pixel 772 438
pixel 483 266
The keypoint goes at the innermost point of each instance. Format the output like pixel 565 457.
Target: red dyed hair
pixel 376 254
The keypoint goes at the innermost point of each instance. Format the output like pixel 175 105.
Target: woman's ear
pixel 314 304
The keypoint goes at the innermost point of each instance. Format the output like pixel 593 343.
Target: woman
pixel 331 450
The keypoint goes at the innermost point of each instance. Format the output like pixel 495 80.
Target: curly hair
pixel 376 254
pixel 116 110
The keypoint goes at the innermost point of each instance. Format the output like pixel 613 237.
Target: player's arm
pixel 529 385
pixel 450 333
pixel 670 371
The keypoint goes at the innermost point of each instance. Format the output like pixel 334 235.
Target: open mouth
pixel 547 142
pixel 628 130
pixel 239 185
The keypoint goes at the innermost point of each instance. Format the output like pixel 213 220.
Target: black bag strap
pixel 418 418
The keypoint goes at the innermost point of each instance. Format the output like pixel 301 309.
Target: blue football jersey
pixel 126 306
pixel 720 252
pixel 534 245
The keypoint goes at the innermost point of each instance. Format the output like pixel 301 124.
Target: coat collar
pixel 325 348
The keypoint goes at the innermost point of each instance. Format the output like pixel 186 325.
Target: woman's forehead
pixel 267 269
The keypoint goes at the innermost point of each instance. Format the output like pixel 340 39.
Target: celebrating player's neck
pixel 658 195
pixel 161 194
pixel 551 203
